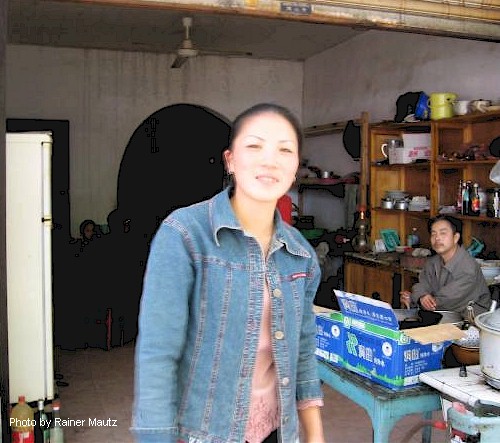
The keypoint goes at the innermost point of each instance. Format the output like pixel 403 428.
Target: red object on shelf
pixel 285 208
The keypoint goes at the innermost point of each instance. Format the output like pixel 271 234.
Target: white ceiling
pixel 71 24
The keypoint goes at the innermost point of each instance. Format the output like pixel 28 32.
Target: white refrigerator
pixel 29 265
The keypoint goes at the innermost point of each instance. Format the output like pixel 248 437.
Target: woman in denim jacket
pixel 225 350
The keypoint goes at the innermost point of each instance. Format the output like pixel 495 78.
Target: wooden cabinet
pixel 437 179
pixel 366 278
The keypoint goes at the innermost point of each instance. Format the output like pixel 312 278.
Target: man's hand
pixel 428 302
pixel 404 298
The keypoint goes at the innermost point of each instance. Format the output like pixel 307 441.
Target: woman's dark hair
pixel 455 224
pixel 262 108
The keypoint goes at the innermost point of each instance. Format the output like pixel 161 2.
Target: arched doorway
pixel 173 159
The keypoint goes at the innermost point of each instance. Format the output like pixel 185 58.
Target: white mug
pixel 389 145
pixel 461 107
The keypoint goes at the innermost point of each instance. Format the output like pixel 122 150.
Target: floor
pixel 100 386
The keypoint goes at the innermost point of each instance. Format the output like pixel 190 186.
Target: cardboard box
pixel 330 337
pixel 415 146
pixel 370 343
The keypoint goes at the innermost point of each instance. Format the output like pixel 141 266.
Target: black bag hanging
pixel 352 139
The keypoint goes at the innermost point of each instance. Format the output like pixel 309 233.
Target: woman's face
pixel 264 157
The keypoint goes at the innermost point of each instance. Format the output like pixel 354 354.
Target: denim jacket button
pixel 279 335
pixel 285 381
pixel 277 292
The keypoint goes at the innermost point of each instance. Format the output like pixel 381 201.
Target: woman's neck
pixel 256 218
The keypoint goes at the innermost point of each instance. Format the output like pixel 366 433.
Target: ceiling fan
pixel 188 50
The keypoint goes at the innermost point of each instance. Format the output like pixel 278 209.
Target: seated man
pixel 451 279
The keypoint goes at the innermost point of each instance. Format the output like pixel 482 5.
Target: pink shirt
pixel 264 415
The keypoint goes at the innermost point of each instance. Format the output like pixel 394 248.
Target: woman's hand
pixel 404 298
pixel 428 302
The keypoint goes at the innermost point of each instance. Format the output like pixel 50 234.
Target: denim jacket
pixel 199 326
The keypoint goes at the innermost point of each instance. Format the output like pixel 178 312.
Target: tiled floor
pixel 101 387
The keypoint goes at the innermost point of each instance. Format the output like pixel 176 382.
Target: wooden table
pixel 384 406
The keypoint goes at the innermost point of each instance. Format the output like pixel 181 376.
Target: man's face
pixel 443 240
pixel 88 231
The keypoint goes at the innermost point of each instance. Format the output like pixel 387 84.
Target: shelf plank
pixel 455 164
pixel 329 128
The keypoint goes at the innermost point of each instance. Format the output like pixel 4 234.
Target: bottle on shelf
pixel 42 425
pixel 466 198
pixel 56 430
pixel 475 202
pixel 413 239
pixel 22 422
pixel 460 197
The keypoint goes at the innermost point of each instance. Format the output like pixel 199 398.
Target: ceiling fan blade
pixel 227 53
pixel 179 61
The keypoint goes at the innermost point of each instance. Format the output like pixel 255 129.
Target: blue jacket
pixel 199 326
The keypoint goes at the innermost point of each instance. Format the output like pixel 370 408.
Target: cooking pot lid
pixel 490 320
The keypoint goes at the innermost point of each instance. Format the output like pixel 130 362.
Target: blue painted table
pixel 384 406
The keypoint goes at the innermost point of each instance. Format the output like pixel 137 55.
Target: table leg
pixel 383 420
pixel 427 430
pixel 384 417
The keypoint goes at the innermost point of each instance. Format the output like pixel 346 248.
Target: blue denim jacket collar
pixel 222 216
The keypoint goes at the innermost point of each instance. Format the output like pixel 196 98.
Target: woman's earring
pixel 229 179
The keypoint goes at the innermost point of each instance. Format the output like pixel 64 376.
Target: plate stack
pixel 419 203
pixel 396 194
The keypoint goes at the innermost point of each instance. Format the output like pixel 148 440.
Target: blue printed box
pixel 330 337
pixel 375 348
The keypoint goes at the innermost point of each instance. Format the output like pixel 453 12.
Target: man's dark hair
pixel 455 224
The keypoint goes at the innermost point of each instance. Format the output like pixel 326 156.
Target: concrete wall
pixel 368 73
pixel 106 94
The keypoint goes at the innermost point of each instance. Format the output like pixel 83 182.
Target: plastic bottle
pixel 56 431
pixel 42 427
pixel 22 422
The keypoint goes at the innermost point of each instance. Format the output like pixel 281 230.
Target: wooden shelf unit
pixel 438 179
pixel 336 187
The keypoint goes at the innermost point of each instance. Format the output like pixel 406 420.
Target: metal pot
pixel 402 205
pixel 386 203
pixel 489 343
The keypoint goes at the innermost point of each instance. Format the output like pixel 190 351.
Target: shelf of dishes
pixel 401 200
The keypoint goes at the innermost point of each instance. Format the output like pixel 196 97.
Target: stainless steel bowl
pixel 412 314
